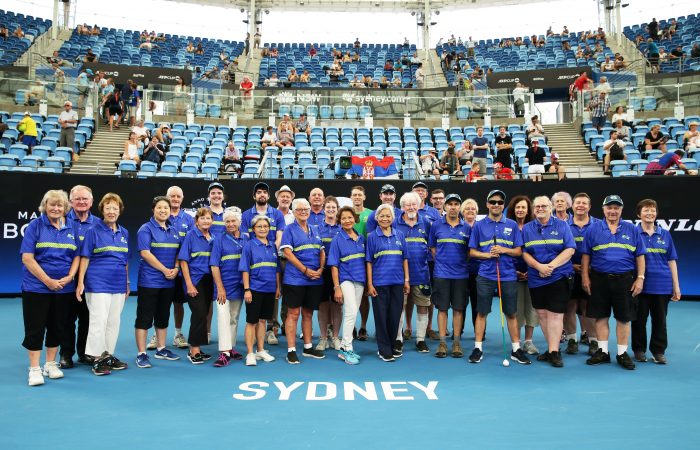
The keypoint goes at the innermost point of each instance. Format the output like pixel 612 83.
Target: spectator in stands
pixel 384 83
pixel 154 151
pixel 603 86
pixel 663 55
pixel 519 93
pixel 246 87
pixel 131 149
pixel 653 29
pixel 115 108
pixel 190 47
pixel 304 77
pixel 28 129
pixel 695 51
pixel 269 139
pixel 464 152
pixel 691 138
pixel 134 102
pixel 480 147
pixel 3 127
pixel 302 125
pixel 475 173
pixel 274 52
pixel 211 74
pixel 59 79
pixel 607 65
pixel 286 135
pixel 655 139
pixel 347 58
pixel 357 82
pixel 535 129
pixel 581 82
pixel 420 76
pixel 286 120
pixel 502 173
pixel 389 65
pixel 256 38
pixel 142 133
pixel 504 148
pixel 599 107
pixel 449 163
pixel 18 33
pixel 68 120
pixel 273 81
pixel 535 158
pixel 622 130
pixel 312 51
pixel 415 60
pixel 164 135
pixel 396 82
pixel 677 53
pixel 232 156
pixel 56 61
pixel 199 50
pixel 429 163
pixel 35 93
pixel 90 57
pixel 614 149
pixel 293 77
pixel 652 55
pixel 148 45
pixel 368 82
pixel 620 114
pixel 181 96
pixel 565 31
pixel 4 32
pixel 663 164
pixel 555 166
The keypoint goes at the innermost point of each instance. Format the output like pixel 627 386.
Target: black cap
pixel 420 184
pixel 451 197
pixel 495 192
pixel 261 186
pixel 215 185
pixel 388 188
pixel 613 199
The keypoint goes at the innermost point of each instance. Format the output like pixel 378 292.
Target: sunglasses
pixel 496 202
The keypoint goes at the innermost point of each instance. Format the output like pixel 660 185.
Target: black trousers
pixel 200 306
pixel 657 306
pixel 387 307
pixel 43 315
pixel 75 311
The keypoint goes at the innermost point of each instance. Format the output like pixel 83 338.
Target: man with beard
pixel 261 195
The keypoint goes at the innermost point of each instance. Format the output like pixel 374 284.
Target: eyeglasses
pixel 496 202
pixel 302 210
pixel 541 206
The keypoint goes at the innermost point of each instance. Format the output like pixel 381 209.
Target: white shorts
pixel 535 169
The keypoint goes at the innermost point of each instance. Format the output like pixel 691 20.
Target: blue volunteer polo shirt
pixel 182 223
pixel 544 243
pixel 164 244
pixel 276 221
pixel 307 248
pixel 507 234
pixel 80 228
pixel 328 232
pixel 195 250
pixel 660 250
pixel 262 264
pixel 386 253
pixel 108 252
pixel 226 255
pixel 416 248
pixel 54 250
pixel 451 246
pixel 578 233
pixel 613 253
pixel 429 213
pixel 317 219
pixel 372 221
pixel 348 256
pixel 218 226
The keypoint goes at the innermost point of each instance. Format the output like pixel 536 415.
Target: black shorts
pixel 115 110
pixel 308 297
pixel 261 308
pixel 153 307
pixel 327 285
pixel 577 292
pixel 180 296
pixel 45 318
pixel 553 297
pixel 450 293
pixel 611 291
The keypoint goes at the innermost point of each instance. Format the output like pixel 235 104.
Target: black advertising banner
pixel 678 213
pixel 536 79
pixel 142 76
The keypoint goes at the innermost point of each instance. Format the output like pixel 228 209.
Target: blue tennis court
pixel 416 402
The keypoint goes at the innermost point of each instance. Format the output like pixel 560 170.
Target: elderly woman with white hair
pixel 50 261
pixel 228 284
pixel 561 201
pixel 387 280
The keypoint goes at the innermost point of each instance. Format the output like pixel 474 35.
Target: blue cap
pixel 451 197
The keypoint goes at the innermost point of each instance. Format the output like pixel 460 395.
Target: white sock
pixel 142 353
pixel 178 331
pixel 516 346
pixel 571 336
pixel 160 349
pixel 603 345
pixel 291 349
pixel 421 326
pixel 621 349
pixel 307 346
pixel 478 345
pixel 592 339
pixel 528 340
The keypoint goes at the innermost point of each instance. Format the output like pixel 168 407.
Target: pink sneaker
pixel 235 355
pixel 223 360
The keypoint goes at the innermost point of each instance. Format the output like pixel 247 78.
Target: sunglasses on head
pixel 496 202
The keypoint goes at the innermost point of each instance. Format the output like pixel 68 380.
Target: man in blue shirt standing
pixel 261 195
pixel 480 147
pixel 497 240
pixel 388 196
pixel 612 273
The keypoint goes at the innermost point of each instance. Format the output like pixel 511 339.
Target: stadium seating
pixel 12 48
pixel 687 34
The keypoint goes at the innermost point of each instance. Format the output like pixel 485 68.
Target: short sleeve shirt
pixel 544 243
pixel 226 255
pixel 348 255
pixel 108 252
pixel 307 247
pixel 613 253
pixel 386 254
pixel 164 244
pixel 504 232
pixel 451 244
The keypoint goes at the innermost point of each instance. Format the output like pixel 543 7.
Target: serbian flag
pixel 370 167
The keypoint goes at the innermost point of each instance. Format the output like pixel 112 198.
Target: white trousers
pixel 105 317
pixel 352 297
pixel 227 323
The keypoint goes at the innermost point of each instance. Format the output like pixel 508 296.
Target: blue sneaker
pixel 166 354
pixel 349 356
pixel 142 361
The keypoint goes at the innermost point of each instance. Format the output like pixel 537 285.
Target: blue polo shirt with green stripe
pixel 195 250
pixel 276 221
pixel 348 255
pixel 307 247
pixel 262 264
pixel 417 248
pixel 578 233
pixel 660 250
pixel 218 226
pixel 108 252
pixel 506 234
pixel 164 244
pixel 182 223
pixel 544 243
pixel 226 255
pixel 328 232
pixel 451 244
pixel 613 253
pixel 386 254
pixel 54 249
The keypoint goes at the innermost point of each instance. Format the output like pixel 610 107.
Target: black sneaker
pixel 659 358
pixel 555 359
pixel 386 358
pixel 196 358
pixel 599 357
pixel 592 348
pixel 66 362
pixel 398 345
pixel 584 338
pixel 87 360
pixel 625 361
pixel 396 353
pixel 544 357
pixel 313 353
pixel 115 364
pixel 520 356
pixel 476 356
pixel 100 367
pixel 292 358
pixel 572 347
pixel 422 347
pixel 640 356
pixel 205 356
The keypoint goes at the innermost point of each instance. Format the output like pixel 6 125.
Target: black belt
pixel 614 276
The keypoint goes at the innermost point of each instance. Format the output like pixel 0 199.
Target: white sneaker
pixel 153 343
pixel 271 338
pixel 322 344
pixel 337 343
pixel 530 348
pixel 250 360
pixel 179 341
pixel 263 355
pixel 52 370
pixel 35 376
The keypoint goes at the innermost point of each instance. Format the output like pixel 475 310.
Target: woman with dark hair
pixel 520 210
pixel 114 105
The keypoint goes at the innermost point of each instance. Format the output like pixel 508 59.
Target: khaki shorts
pixel 418 298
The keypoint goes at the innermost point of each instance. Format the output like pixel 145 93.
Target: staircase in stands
pixel 567 141
pixel 102 153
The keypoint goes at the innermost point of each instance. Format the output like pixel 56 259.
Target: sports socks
pixel 421 326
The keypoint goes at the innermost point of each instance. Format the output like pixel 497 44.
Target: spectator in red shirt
pixel 502 173
pixel 474 174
